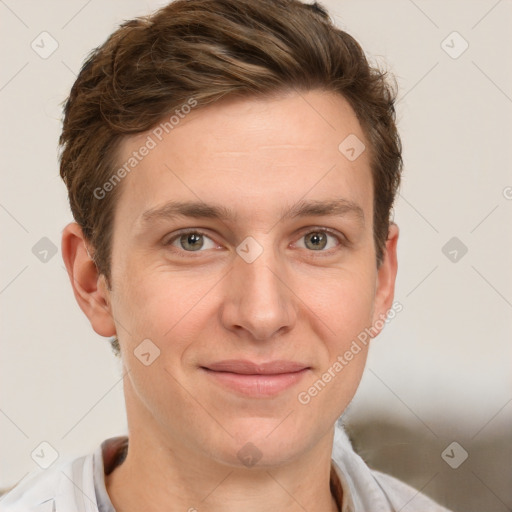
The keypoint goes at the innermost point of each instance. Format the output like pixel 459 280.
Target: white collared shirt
pixel 79 485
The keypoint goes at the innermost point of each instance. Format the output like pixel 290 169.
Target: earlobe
pixel 89 287
pixel 386 277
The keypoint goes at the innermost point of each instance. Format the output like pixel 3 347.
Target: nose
pixel 259 302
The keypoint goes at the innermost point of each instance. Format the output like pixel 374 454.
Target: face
pixel 243 255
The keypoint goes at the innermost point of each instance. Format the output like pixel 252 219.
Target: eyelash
pixel 342 241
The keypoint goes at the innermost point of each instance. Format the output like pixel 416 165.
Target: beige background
pixel 441 370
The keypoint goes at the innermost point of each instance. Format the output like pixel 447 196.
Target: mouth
pixel 256 379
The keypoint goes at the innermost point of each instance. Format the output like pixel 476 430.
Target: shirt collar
pixel 113 452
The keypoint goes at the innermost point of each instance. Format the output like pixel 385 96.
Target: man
pixel 231 166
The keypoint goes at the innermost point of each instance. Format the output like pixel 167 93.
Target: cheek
pixel 162 315
pixel 161 302
pixel 344 310
pixel 343 302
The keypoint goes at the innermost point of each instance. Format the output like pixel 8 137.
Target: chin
pixel 265 442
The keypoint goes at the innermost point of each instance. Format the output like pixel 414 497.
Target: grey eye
pixel 191 241
pixel 319 241
pixel 316 240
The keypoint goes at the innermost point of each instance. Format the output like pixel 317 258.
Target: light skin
pixel 305 298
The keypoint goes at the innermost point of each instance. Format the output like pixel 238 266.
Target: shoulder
pixel 61 488
pixel 370 490
pixel 404 497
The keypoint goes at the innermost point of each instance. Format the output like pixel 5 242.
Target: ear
pixel 89 287
pixel 386 276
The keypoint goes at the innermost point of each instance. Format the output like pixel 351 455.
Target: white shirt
pixel 79 485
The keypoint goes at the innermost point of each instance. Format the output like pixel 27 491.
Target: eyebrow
pixel 201 210
pixel 336 207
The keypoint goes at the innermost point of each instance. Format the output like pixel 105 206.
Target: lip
pixel 245 367
pixel 256 379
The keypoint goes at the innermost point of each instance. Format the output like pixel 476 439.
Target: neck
pixel 158 476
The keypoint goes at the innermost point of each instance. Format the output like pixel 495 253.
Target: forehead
pixel 249 155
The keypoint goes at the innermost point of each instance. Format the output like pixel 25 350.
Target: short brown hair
pixel 207 50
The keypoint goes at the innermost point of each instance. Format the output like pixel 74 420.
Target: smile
pixel 256 380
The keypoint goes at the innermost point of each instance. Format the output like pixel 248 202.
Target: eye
pixel 318 240
pixel 191 241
